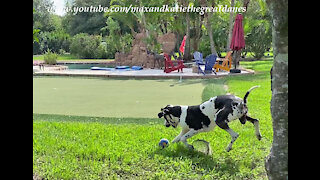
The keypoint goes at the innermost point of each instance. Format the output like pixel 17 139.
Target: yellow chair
pixel 224 64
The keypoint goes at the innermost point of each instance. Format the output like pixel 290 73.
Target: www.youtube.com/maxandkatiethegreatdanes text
pixel 162 9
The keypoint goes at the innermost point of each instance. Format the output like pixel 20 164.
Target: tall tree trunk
pixel 230 27
pixel 277 161
pixel 209 28
pixel 208 17
pixel 186 55
pixel 144 23
pixel 197 27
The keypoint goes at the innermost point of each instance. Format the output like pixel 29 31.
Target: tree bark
pixel 230 27
pixel 277 161
pixel 186 55
pixel 197 27
pixel 208 16
pixel 209 28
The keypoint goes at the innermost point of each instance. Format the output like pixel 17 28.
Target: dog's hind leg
pixel 255 122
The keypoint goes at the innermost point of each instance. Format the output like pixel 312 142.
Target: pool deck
pixel 145 73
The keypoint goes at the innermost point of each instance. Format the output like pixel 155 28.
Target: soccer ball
pixel 164 143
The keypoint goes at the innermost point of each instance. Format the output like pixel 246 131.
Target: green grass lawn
pixel 111 97
pixel 124 146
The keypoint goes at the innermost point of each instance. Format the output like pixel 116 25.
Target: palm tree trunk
pixel 209 28
pixel 186 55
pixel 208 17
pixel 230 27
pixel 277 161
pixel 197 27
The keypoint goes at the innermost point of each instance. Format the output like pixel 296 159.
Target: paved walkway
pixel 145 73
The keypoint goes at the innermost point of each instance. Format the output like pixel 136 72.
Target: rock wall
pixel 138 55
pixel 168 42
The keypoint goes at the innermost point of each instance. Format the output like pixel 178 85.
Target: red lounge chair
pixel 169 66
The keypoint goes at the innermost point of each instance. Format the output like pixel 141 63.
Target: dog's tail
pixel 248 92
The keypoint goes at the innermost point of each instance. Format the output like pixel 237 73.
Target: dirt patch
pixel 226 88
pixel 37 177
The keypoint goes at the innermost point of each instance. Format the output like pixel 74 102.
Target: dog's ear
pixel 243 119
pixel 175 111
pixel 160 114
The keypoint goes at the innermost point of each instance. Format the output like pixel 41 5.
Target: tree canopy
pixel 207 32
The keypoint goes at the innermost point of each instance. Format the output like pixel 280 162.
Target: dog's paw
pixel 228 148
pixel 190 147
pixel 259 137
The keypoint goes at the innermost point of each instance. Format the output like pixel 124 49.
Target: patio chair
pixel 225 63
pixel 208 67
pixel 198 59
pixel 169 66
pixel 176 56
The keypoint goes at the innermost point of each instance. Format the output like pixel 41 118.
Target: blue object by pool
pixel 122 67
pixel 102 68
pixel 136 67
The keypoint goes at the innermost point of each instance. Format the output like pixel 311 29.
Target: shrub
pixel 101 51
pixel 87 46
pixel 259 41
pixel 50 57
pixel 204 47
pixel 54 41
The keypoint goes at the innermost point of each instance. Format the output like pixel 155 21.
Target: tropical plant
pixel 85 22
pixel 116 41
pixel 259 41
pixel 50 57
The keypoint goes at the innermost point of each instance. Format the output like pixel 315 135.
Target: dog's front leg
pixel 177 139
pixel 234 136
pixel 255 122
pixel 189 134
pixel 221 121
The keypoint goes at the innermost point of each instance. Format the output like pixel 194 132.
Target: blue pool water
pixel 86 65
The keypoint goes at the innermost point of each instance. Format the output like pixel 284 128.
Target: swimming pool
pixel 86 65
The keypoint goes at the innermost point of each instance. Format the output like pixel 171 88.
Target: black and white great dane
pixel 219 110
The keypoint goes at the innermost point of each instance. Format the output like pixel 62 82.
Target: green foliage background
pixel 118 29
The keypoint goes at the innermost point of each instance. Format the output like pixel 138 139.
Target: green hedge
pixel 88 46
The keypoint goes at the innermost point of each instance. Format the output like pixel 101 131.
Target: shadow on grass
pixel 214 87
pixel 224 164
